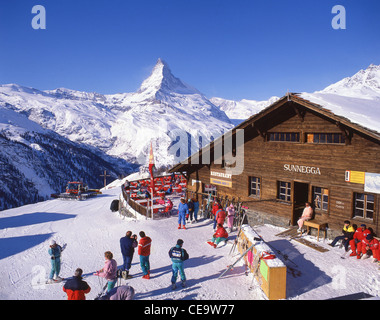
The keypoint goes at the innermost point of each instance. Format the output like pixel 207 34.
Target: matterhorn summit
pixel 162 81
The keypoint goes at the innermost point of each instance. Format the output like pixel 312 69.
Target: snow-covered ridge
pixel 242 109
pixel 365 84
pixel 356 98
pixel 125 124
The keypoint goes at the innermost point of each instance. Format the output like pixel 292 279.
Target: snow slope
pixel 243 109
pixel 356 98
pixel 89 228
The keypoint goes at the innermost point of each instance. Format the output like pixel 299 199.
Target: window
pixel 284 136
pixel 321 198
pixel 364 205
pixel 210 189
pixel 336 138
pixel 283 190
pixel 254 186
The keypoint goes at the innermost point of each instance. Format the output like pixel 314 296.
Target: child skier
pixel 178 256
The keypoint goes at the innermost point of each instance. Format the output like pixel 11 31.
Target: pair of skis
pixel 241 257
pixel 238 235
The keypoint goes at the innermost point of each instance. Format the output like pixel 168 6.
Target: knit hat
pixel 78 272
pixel 180 242
pixel 52 242
pixel 363 225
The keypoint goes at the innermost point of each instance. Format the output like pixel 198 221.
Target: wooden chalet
pixel 295 151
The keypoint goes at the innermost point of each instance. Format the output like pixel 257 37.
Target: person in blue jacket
pixel 178 256
pixel 196 209
pixel 127 246
pixel 183 210
pixel 55 258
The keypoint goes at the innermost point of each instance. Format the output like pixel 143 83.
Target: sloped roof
pixel 363 123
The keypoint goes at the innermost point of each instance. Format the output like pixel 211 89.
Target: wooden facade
pixel 296 151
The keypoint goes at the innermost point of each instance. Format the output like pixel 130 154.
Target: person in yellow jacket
pixel 347 235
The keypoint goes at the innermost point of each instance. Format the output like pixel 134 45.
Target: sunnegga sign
pixel 301 169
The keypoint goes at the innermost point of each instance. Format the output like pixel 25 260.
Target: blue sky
pixel 242 49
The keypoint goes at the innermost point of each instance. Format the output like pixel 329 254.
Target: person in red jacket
pixel 76 288
pixel 359 235
pixel 220 235
pixel 371 244
pixel 215 207
pixel 144 253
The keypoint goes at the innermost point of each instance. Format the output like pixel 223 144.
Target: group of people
pixel 167 203
pixel 187 212
pixel 361 241
pixel 219 215
pixel 76 288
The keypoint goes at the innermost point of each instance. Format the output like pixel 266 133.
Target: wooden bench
pixel 317 225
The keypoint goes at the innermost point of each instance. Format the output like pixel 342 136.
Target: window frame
pixel 259 184
pixel 282 137
pixel 288 188
pixel 322 194
pixel 365 206
pixel 316 137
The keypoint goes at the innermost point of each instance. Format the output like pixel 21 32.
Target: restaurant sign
pixel 223 179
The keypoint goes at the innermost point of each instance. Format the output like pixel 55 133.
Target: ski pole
pixel 242 256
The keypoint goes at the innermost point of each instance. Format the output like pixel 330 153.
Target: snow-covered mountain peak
pixel 363 84
pixel 162 79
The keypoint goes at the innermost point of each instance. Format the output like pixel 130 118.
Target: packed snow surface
pixel 89 228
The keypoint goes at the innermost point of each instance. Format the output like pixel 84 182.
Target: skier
pixel 76 288
pixel 120 293
pixel 347 234
pixel 215 207
pixel 144 253
pixel 183 210
pixel 55 256
pixel 178 256
pixel 359 235
pixel 220 216
pixel 190 205
pixel 109 271
pixel 220 235
pixel 370 244
pixel 196 209
pixel 127 246
pixel 230 217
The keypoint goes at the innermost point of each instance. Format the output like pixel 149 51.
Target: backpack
pixel 178 254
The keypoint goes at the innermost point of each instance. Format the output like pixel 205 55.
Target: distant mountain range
pixel 50 136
